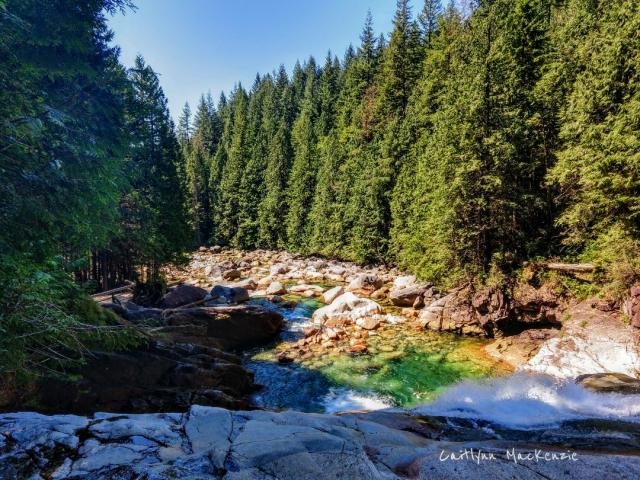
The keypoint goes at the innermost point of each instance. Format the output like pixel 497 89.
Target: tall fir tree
pixel 303 169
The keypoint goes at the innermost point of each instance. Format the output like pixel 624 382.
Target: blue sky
pixel 209 45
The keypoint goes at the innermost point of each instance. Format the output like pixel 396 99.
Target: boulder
pixel 247 284
pixel 221 294
pixel 452 313
pixel 153 377
pixel 380 293
pixel 347 308
pixel 302 288
pixel 631 307
pixel 610 383
pixel 407 296
pixel 276 288
pixel 182 295
pixel 278 269
pixel 330 295
pixel 223 327
pixel 232 274
pixel 370 323
pixel 404 281
pixel 365 284
pixel 215 443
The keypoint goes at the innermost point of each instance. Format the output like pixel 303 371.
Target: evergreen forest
pixel 458 146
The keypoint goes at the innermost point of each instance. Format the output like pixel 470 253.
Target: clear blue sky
pixel 209 45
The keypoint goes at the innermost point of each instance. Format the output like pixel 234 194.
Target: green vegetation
pixel 90 182
pixel 457 148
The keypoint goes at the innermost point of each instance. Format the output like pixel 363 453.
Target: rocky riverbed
pixel 270 330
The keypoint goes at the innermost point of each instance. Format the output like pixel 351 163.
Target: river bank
pixel 397 379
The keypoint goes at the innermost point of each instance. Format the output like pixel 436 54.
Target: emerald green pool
pixel 404 366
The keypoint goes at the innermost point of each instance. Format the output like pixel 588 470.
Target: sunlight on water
pixel 528 401
pixel 404 367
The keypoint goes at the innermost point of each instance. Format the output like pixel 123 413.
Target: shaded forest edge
pixel 460 147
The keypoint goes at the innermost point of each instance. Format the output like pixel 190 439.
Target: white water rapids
pixel 524 401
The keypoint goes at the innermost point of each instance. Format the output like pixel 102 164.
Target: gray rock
pixel 158 427
pixel 365 284
pixel 209 430
pixel 276 288
pixel 213 443
pixel 610 382
pixel 221 294
pixel 182 295
pixel 406 296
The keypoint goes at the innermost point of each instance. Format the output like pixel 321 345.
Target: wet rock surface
pixel 225 327
pixel 216 443
pixel 155 377
pixel 610 382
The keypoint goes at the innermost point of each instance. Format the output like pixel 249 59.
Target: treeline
pixel 461 145
pixel 90 188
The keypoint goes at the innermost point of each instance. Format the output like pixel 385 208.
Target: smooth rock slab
pixel 213 443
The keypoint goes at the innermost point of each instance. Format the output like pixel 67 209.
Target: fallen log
pixel 129 286
pixel 571 267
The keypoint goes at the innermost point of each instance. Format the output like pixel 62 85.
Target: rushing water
pixel 403 368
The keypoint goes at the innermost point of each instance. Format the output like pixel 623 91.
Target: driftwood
pixel 571 267
pixel 129 286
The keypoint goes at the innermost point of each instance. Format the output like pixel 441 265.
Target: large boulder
pixel 136 314
pixel 610 382
pixel 452 313
pixel 247 284
pixel 278 269
pixel 330 295
pixel 232 274
pixel 407 296
pixel 224 327
pixel 303 287
pixel 182 295
pixel 214 443
pixel 365 284
pixel 221 294
pixel 404 281
pixel 347 309
pixel 153 377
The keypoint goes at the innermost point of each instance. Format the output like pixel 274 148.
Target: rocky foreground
pixel 196 332
pixel 207 443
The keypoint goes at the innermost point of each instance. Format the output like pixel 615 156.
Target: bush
pixel 47 323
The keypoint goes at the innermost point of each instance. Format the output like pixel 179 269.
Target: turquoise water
pixel 404 366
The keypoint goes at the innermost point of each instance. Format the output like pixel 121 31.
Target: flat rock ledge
pixel 210 442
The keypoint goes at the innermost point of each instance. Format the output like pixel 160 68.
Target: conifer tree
pixel 303 169
pixel 154 229
pixel 597 163
pixel 184 125
pixel 233 170
pixel 273 207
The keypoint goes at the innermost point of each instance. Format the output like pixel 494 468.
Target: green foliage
pixel 47 323
pixel 465 144
pixel 90 163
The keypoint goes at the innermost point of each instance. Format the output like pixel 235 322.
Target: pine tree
pixel 217 168
pixel 429 20
pixel 252 186
pixel 273 208
pixel 303 170
pixel 184 125
pixel 233 170
pixel 597 170
pixel 154 230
